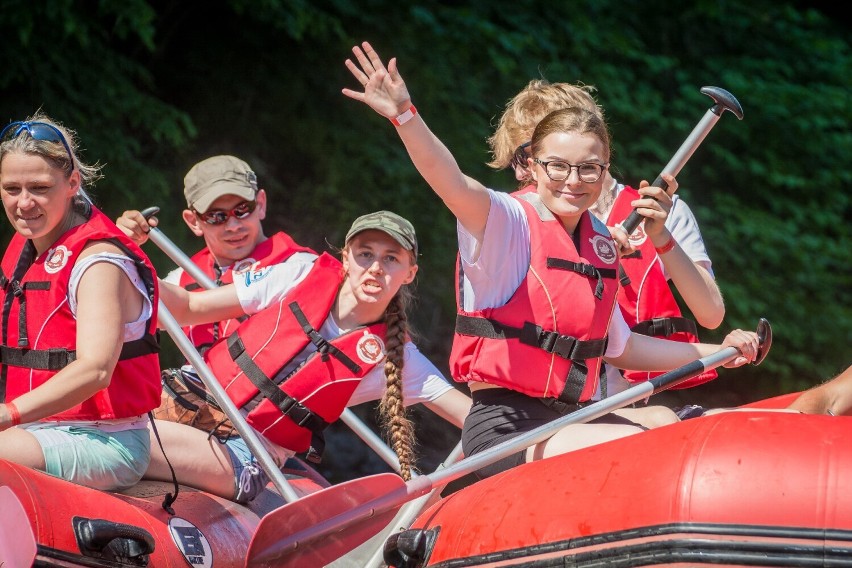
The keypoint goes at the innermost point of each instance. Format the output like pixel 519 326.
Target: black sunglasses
pixel 37 131
pixel 218 217
pixel 519 158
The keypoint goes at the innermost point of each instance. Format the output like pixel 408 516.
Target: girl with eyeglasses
pixel 538 278
pixel 323 334
pixel 646 298
pixel 79 369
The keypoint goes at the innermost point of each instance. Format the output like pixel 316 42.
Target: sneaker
pixel 252 481
pixel 689 411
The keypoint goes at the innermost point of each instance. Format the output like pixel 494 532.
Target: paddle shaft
pixel 723 101
pixel 422 485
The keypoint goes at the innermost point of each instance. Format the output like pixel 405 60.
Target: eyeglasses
pixel 519 158
pixel 558 170
pixel 37 131
pixel 219 217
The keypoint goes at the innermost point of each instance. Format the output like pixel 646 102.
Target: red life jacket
pixel 547 341
pixel 294 412
pixel 39 331
pixel 277 248
pixel 646 300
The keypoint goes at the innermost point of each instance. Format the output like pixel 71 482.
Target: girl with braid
pixel 323 334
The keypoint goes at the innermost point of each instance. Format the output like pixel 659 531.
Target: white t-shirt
pixel 258 289
pixel 495 267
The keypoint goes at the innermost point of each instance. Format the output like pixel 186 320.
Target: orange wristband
pixel 666 247
pixel 14 415
pixel 404 117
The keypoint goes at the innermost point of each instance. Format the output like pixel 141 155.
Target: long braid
pixel 391 409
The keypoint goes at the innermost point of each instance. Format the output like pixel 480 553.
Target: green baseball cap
pixel 210 179
pixel 390 223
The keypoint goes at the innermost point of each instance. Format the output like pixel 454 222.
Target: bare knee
pixel 649 416
pixel 578 436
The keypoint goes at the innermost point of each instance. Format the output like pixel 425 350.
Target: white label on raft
pixel 191 543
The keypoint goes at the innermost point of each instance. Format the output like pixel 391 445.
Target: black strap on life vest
pixel 586 270
pixel 664 327
pixel 564 346
pixel 623 277
pixel 58 357
pixel 288 405
pixel 323 346
pixel 622 274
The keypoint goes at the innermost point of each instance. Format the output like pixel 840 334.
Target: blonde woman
pixel 80 369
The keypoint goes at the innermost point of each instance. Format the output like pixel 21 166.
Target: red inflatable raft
pixel 45 521
pixel 736 489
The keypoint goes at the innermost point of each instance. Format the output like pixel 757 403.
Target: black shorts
pixel 500 414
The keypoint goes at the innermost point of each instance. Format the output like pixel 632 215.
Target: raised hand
pixel 384 90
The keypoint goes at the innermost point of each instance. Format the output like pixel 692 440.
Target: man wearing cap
pixel 226 208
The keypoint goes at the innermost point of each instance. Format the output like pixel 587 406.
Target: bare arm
pixel 834 395
pixel 386 93
pixel 694 282
pixel 205 306
pixel 645 353
pixel 697 288
pixel 453 406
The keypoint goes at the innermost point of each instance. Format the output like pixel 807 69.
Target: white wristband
pixel 404 117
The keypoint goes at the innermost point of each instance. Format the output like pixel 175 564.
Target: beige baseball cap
pixel 210 179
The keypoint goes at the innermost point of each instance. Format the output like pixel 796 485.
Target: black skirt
pixel 500 414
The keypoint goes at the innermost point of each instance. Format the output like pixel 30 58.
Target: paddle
pixel 407 514
pixel 722 101
pixel 342 516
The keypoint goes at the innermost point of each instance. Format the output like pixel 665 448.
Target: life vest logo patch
pixel 57 258
pixel 370 348
pixel 638 236
pixel 604 248
pixel 243 265
pixel 256 275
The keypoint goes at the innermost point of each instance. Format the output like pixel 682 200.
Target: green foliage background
pixel 152 87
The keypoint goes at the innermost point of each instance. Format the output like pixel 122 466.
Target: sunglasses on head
pixel 519 158
pixel 219 217
pixel 37 131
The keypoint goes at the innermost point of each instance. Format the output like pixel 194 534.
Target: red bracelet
pixel 404 117
pixel 666 247
pixel 14 415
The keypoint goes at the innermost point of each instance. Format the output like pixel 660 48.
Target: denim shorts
pixel 85 455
